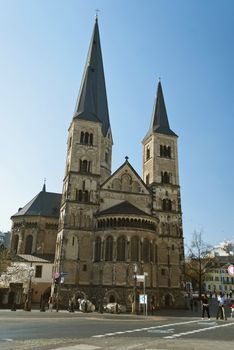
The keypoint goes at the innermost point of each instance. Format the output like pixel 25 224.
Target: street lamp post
pixel 134 289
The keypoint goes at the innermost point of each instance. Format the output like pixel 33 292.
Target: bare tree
pixel 5 259
pixel 198 261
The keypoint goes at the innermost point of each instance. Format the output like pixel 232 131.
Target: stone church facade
pixel 113 227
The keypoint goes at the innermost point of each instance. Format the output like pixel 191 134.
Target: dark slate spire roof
pixel 92 99
pixel 43 204
pixel 159 121
pixel 123 208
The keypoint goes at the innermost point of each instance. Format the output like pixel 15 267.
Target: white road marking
pixel 198 331
pixel 79 347
pixel 142 329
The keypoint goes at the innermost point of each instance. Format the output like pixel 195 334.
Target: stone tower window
pixel 147 153
pixel 165 151
pixel 85 166
pixel 166 205
pixel 165 177
pixel 86 138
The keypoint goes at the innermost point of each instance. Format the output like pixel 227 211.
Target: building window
pixel 163 272
pixel 28 245
pixel 85 166
pixel 121 248
pixel 165 151
pixel 86 138
pixel 166 205
pixel 38 272
pixel 135 249
pixel 147 153
pixel 165 177
pixel 145 252
pixel 16 242
pixel 97 252
pixel 109 249
pixel 84 267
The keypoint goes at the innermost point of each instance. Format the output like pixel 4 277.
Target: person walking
pixel 205 306
pixel 220 312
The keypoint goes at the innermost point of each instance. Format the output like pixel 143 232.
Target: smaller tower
pixel 161 174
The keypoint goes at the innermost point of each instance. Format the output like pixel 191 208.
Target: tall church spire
pixel 92 99
pixel 159 121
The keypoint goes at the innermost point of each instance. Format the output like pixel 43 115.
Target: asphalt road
pixel 22 330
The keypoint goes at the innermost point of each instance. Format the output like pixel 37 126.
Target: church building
pixel 115 227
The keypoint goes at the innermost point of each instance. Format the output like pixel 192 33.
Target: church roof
pixel 123 208
pixel 43 204
pixel 159 121
pixel 36 258
pixel 92 99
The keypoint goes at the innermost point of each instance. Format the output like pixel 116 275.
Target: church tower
pixel 88 165
pixel 161 174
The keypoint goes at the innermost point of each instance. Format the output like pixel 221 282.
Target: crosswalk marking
pixel 142 329
pixel 198 331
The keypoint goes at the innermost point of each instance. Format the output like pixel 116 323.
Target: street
pixel 22 330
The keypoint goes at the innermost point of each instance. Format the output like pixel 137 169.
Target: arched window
pixel 165 177
pixel 80 195
pixel 161 151
pixel 91 139
pixel 81 137
pixel 135 249
pixel 169 152
pixel 85 196
pixel 166 205
pixel 86 138
pixel 121 248
pixel 109 249
pixel 147 153
pixel 97 253
pixel 16 242
pixel 85 166
pixel 145 252
pixel 28 245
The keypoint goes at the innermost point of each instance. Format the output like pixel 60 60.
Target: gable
pixel 125 179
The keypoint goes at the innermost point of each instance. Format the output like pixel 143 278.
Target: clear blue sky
pixel 189 44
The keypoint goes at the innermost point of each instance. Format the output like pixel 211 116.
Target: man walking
pixel 205 306
pixel 220 311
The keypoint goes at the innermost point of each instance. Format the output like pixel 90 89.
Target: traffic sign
pixel 143 298
pixel 140 278
pixel 231 270
pixel 63 273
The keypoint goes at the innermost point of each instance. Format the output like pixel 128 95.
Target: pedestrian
pixel 220 312
pixel 232 308
pixel 205 306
